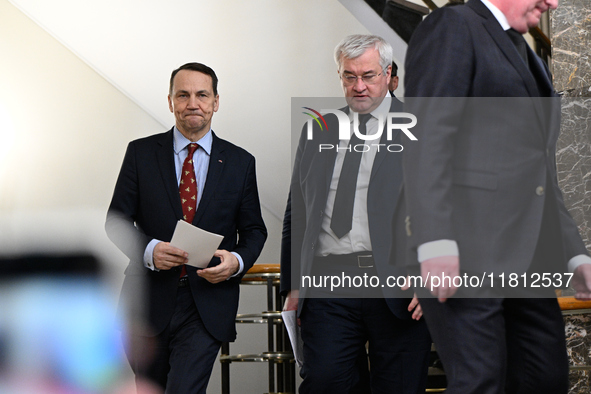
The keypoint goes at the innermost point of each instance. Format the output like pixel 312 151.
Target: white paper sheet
pixel 290 319
pixel 198 243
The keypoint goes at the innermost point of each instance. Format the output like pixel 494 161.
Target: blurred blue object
pixel 58 333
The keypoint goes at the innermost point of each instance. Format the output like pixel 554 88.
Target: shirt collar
pixel 499 16
pixel 180 141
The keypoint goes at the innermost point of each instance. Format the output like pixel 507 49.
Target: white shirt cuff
pixel 578 260
pixel 149 255
pixel 149 258
pixel 241 268
pixel 440 248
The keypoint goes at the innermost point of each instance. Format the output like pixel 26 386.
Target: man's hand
pixel 167 256
pixel 582 282
pixel 435 270
pixel 414 303
pixel 291 302
pixel 228 267
pixel 418 311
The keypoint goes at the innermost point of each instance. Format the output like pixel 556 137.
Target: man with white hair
pixel 343 218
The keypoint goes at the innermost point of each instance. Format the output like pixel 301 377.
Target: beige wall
pixel 65 148
pixel 79 80
pixel 60 142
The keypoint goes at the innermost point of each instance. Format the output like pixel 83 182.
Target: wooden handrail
pixel 571 303
pixel 264 269
pixel 429 3
pixel 538 34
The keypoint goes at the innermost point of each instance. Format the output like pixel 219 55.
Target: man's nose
pixel 193 102
pixel 359 85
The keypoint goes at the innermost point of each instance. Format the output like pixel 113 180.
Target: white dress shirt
pixel 357 240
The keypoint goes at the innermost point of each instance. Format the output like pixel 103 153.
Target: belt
pixel 184 281
pixel 359 260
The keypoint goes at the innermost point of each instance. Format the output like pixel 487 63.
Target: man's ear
pixel 216 104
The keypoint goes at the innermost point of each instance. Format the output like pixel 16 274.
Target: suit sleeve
pixel 286 260
pixel 294 227
pixel 121 216
pixel 439 63
pixel 252 232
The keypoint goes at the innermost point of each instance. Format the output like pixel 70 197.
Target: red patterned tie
pixel 188 186
pixel 188 189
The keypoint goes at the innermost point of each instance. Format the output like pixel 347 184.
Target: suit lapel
pixel 165 157
pixel 540 74
pixel 217 161
pixel 508 48
pixel 510 52
pixel 542 77
pixel 381 154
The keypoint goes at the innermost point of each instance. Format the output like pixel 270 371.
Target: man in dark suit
pixel 187 173
pixel 483 198
pixel 337 325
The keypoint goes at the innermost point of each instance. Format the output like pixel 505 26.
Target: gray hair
pixel 355 45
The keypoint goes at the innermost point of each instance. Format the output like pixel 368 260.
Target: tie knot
pixel 192 147
pixel 364 118
pixel 515 36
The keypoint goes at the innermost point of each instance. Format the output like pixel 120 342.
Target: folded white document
pixel 290 319
pixel 198 243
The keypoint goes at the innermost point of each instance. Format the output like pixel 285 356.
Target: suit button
pixel 321 213
pixel 540 190
pixel 313 245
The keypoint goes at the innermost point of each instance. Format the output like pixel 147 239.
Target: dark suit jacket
pixel 310 184
pixel 147 194
pixel 483 169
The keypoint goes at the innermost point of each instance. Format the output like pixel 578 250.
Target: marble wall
pixel 570 37
pixel 571 68
pixel 573 156
pixel 578 343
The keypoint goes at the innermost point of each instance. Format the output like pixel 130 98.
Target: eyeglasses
pixel 368 79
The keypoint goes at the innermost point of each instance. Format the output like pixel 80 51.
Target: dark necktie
pixel 342 213
pixel 520 44
pixel 188 190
